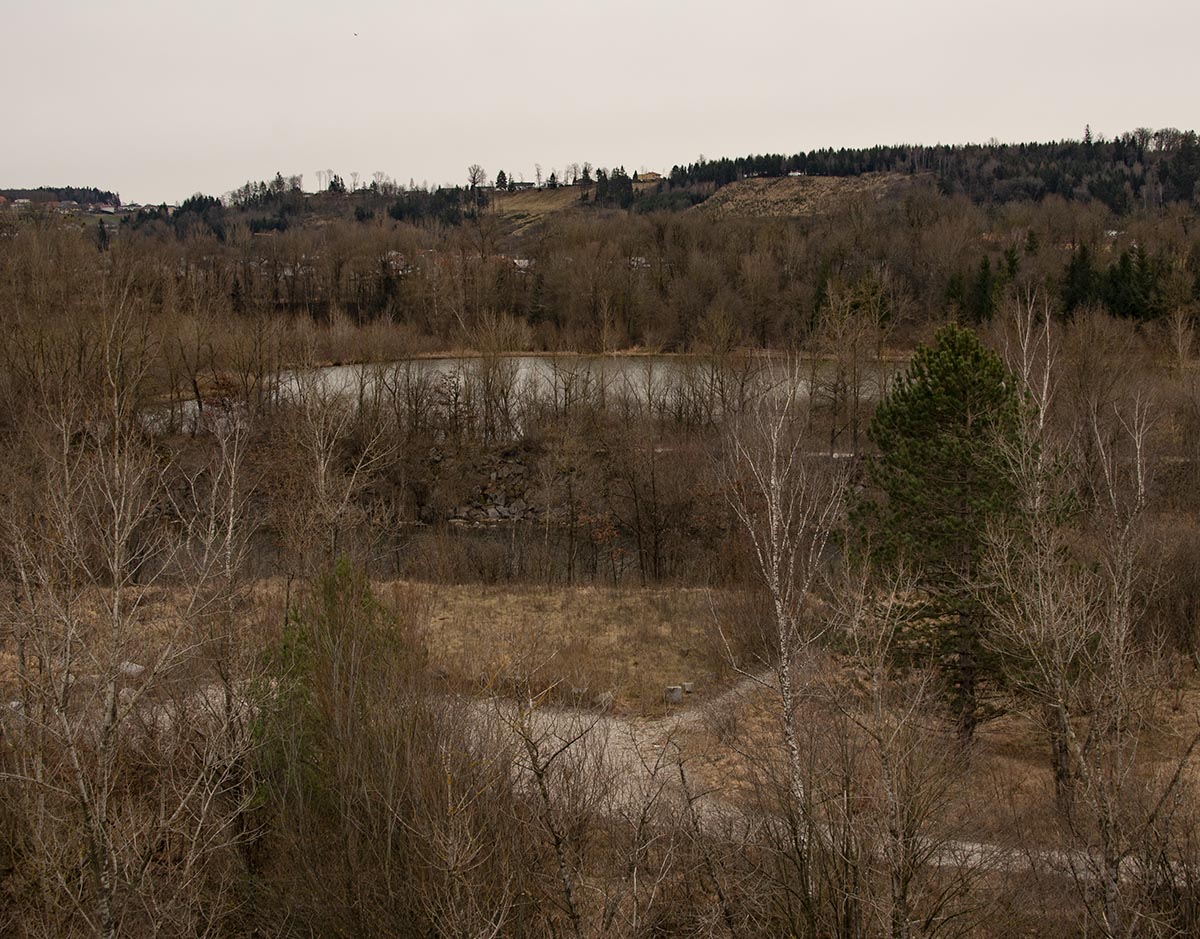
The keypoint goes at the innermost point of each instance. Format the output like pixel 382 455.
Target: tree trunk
pixel 966 679
pixel 1060 762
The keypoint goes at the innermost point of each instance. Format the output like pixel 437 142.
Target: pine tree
pixel 981 302
pixel 937 481
pixel 1080 282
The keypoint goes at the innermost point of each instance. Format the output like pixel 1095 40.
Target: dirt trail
pixel 641 760
pixel 641 756
pixel 633 747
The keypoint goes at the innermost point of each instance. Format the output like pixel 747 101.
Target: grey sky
pixel 159 99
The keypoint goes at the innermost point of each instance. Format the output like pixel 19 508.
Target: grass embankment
pixel 580 645
pixel 586 646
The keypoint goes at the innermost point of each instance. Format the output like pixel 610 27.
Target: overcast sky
pixel 158 99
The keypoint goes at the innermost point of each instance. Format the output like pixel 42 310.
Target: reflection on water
pixel 645 377
pixel 498 390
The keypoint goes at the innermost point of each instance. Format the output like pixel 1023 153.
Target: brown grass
pixel 535 203
pixel 582 644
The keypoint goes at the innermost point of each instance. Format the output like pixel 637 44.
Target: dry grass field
pixel 523 207
pixel 583 645
pixel 529 205
pixel 587 646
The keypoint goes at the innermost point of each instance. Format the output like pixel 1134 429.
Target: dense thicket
pixel 595 280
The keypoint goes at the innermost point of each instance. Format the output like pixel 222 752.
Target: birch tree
pixel 787 503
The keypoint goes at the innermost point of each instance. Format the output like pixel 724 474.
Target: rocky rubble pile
pixel 506 496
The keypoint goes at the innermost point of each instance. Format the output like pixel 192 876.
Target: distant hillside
pixel 795 196
pixel 80 194
pixel 528 205
pixel 1144 167
pixel 524 206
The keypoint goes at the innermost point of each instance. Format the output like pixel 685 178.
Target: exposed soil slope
pixel 794 196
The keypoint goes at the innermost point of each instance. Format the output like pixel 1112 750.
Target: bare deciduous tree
pixel 1065 588
pixel 102 673
pixel 787 502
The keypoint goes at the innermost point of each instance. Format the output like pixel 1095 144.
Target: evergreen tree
pixel 1080 282
pixel 601 186
pixel 1012 263
pixel 938 480
pixel 501 181
pixel 1133 286
pixel 981 301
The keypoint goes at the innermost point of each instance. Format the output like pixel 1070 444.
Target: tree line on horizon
pixel 80 194
pixel 1143 167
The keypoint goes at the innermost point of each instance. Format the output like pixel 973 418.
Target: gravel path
pixel 641 756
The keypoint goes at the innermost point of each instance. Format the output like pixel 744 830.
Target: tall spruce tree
pixel 1081 283
pixel 937 479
